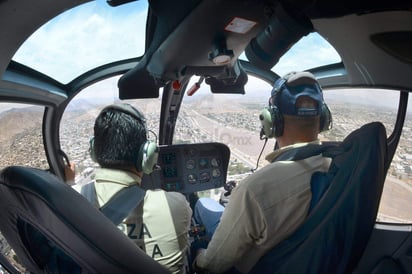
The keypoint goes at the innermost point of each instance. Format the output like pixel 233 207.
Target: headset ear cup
pixel 147 157
pixel 272 122
pixel 91 149
pixel 266 122
pixel 325 118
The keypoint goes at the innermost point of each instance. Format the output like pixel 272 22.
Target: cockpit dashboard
pixel 189 168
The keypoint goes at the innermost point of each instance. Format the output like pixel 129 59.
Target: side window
pixel 21 141
pixel 76 126
pixel 354 108
pixel 396 199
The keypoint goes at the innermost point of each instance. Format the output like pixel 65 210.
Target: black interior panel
pixel 189 168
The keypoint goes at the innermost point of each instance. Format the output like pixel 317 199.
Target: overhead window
pixel 85 37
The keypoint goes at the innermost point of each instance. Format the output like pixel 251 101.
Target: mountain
pixel 18 120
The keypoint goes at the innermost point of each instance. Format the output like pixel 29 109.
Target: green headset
pixel 148 151
pixel 271 117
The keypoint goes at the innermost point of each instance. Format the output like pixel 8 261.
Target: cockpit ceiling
pixel 192 46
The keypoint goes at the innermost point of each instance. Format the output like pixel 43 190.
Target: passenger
pixel 160 224
pixel 272 203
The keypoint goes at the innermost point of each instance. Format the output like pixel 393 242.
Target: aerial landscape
pixel 218 120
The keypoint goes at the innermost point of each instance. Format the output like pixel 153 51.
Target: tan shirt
pixel 264 209
pixel 159 226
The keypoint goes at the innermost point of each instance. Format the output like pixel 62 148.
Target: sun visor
pixel 137 84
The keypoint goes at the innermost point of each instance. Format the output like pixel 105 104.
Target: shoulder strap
pixel 310 150
pixel 89 192
pixel 120 205
pixel 320 181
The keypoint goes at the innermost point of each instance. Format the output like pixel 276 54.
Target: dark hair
pixel 118 137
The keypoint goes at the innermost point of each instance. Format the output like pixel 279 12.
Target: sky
pixel 87 36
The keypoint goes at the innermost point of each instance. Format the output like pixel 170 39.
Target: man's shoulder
pixel 177 197
pixel 267 173
pixel 172 195
pixel 176 201
pixel 272 176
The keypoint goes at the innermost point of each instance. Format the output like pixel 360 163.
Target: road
pixel 244 144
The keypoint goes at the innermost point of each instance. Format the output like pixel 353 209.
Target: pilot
pixel 269 205
pixel 160 224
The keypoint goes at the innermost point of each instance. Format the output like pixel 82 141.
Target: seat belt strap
pixel 89 192
pixel 120 205
pixel 300 153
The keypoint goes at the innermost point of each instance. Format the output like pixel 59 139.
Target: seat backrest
pixel 53 229
pixel 336 231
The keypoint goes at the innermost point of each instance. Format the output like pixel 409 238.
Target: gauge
pixel 215 162
pixel 192 178
pixel 203 163
pixel 204 177
pixel 190 164
pixel 216 172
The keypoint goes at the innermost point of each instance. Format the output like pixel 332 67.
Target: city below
pixel 236 125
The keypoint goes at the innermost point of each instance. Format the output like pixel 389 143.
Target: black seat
pixel 53 229
pixel 336 232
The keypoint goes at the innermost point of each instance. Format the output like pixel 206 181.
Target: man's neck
pixel 286 140
pixel 133 170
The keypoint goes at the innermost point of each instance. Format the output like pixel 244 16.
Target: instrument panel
pixel 188 168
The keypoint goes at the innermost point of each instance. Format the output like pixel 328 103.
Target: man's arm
pixel 70 173
pixel 240 226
